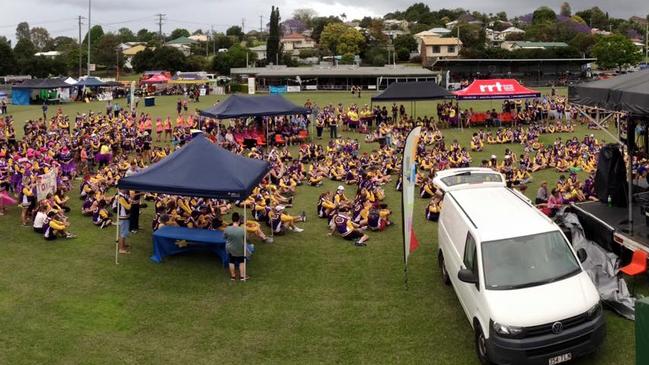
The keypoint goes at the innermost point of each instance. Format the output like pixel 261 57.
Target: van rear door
pixel 465 178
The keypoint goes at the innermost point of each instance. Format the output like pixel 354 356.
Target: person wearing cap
pixel 340 198
pixel 280 220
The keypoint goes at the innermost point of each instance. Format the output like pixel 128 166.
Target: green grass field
pixel 312 298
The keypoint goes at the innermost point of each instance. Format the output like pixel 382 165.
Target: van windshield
pixel 472 178
pixel 527 261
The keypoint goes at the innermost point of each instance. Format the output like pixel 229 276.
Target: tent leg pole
pixel 629 151
pixel 245 237
pixel 117 233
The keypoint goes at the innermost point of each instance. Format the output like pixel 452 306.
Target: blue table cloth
pixel 165 238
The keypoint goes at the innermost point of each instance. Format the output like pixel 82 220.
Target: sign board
pixel 46 184
pixel 312 87
pixel 293 89
pixel 251 86
pixel 219 90
pixel 91 67
pixel 371 87
pixel 277 89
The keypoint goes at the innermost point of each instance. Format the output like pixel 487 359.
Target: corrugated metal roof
pixel 386 71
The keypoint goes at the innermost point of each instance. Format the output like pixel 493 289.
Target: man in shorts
pixel 235 246
pixel 123 215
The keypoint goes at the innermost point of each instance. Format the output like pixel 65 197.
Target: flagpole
pixel 403 226
pixel 408 177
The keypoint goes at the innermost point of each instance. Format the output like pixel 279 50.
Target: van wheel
pixel 440 260
pixel 481 346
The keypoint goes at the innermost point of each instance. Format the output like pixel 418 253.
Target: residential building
pixel 513 45
pixel 294 42
pixel 259 51
pixel 495 38
pixel 395 24
pixel 434 48
pixel 199 37
pixel 182 44
pixel 48 54
pixel 435 32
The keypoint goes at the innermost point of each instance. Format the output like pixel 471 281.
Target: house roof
pixel 134 50
pixel 181 40
pixel 332 71
pixel 433 32
pixel 294 37
pixel 439 41
pixel 513 30
pixel 525 44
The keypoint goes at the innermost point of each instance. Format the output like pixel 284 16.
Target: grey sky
pixel 60 16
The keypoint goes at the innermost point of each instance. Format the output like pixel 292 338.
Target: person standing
pixel 235 246
pixel 44 109
pixel 134 218
pixel 123 216
pixel 333 127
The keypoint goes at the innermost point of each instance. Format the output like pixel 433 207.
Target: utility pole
pixel 80 45
pixel 646 42
pixel 243 25
pixel 89 14
pixel 261 22
pixel 161 19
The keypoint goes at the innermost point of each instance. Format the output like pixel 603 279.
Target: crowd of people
pixel 99 149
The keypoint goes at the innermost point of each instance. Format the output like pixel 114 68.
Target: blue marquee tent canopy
pixel 89 82
pixel 55 83
pixel 237 106
pixel 200 169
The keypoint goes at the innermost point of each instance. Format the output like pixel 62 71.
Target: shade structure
pixel 156 79
pixel 628 93
pixel 42 84
pixel 200 169
pixel 424 90
pixel 237 106
pixel 493 89
pixel 90 82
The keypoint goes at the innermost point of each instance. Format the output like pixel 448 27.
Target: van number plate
pixel 559 359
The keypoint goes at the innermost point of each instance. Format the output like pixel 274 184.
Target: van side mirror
pixel 467 276
pixel 582 255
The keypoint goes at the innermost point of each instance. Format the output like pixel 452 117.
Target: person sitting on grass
pixel 55 227
pixel 347 229
pixel 281 221
pixel 101 217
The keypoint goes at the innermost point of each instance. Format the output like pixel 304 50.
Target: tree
pixel 405 41
pixel 341 39
pixel 24 50
pixel 126 35
pixel 502 16
pixel 143 60
pixel 375 33
pixel 179 32
pixel 594 17
pixel 96 32
pixel 616 51
pixel 583 42
pixel 472 36
pixel 319 23
pixel 365 22
pixel 234 57
pixel 7 59
pixel 415 12
pixel 143 35
pixel 106 51
pixel 40 37
pixel 235 31
pixel 543 14
pixel 222 41
pixel 22 31
pixel 566 10
pixel 272 44
pixel 305 15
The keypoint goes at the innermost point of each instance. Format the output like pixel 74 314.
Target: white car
pixel 515 274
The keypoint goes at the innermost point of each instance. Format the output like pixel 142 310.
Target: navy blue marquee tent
pixel 21 93
pixel 237 106
pixel 90 82
pixel 420 90
pixel 200 169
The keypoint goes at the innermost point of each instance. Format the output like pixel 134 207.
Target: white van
pixel 515 274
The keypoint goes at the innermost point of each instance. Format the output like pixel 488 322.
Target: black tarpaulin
pixel 627 93
pixel 424 90
pixel 237 106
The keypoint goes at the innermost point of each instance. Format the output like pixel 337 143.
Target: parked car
pixel 515 274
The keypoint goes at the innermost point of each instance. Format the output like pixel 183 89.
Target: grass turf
pixel 312 298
